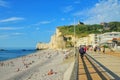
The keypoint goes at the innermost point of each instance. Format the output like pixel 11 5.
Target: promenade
pixel 99 66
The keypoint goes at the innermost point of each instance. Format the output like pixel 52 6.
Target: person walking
pixel 85 49
pixel 95 48
pixel 104 49
pixel 82 52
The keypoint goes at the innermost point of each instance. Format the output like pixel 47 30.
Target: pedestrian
pixel 95 48
pixel 85 48
pixel 99 48
pixel 82 52
pixel 103 49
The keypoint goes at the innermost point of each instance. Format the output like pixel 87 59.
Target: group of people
pixel 99 49
pixel 83 49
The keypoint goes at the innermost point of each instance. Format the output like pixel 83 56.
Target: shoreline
pixel 32 51
pixel 36 64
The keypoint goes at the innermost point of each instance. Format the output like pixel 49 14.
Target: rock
pixel 24 50
pixel 2 49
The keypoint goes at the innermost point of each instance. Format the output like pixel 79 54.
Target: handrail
pixel 74 75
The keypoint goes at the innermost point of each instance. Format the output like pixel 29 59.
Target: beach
pixel 42 65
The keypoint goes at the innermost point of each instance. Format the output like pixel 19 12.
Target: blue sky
pixel 23 23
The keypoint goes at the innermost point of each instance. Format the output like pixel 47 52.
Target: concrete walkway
pixel 109 63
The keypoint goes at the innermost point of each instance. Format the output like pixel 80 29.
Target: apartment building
pixel 82 41
pixel 98 39
pixel 92 39
pixel 108 37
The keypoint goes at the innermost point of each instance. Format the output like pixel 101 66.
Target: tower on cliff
pixel 80 23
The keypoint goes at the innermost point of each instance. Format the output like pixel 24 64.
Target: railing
pixel 74 75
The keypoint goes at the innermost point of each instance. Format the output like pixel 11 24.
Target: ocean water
pixel 14 53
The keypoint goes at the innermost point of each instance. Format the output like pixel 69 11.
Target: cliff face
pixel 58 41
pixel 42 46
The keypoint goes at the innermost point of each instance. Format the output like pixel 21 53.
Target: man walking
pixel 82 52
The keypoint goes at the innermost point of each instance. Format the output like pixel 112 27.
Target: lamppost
pixel 100 36
pixel 74 38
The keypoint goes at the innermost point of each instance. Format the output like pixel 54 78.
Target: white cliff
pixel 42 46
pixel 58 41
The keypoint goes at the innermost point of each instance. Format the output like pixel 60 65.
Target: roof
pixel 116 39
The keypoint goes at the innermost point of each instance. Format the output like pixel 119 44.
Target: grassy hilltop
pixel 83 30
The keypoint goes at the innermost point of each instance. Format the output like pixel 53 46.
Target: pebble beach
pixel 41 65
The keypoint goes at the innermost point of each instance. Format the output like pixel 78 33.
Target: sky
pixel 24 23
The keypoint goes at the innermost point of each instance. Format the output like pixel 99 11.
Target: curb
pixel 68 73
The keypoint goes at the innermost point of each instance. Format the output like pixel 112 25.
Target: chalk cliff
pixel 58 41
pixel 42 46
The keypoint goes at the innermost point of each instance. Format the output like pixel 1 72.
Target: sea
pixel 7 54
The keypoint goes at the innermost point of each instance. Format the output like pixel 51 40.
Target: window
pixel 116 35
pixel 110 34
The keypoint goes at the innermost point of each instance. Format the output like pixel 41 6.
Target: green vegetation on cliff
pixel 83 30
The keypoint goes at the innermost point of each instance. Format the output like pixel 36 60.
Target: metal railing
pixel 74 75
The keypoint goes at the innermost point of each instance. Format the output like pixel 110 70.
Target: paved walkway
pixel 90 70
pixel 109 63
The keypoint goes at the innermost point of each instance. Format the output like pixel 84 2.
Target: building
pixel 82 41
pixel 91 39
pixel 111 39
pixel 108 37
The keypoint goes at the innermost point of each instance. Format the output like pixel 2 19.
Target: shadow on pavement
pixel 106 69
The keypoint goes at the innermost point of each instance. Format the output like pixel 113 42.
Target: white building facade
pixel 98 39
pixel 108 37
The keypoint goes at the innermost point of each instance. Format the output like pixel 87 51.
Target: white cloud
pixel 4 36
pixel 104 11
pixel 63 19
pixel 10 28
pixel 3 3
pixel 12 19
pixel 68 9
pixel 17 33
pixel 77 2
pixel 37 28
pixel 44 22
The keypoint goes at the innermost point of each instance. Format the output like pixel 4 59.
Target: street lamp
pixel 74 38
pixel 100 35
